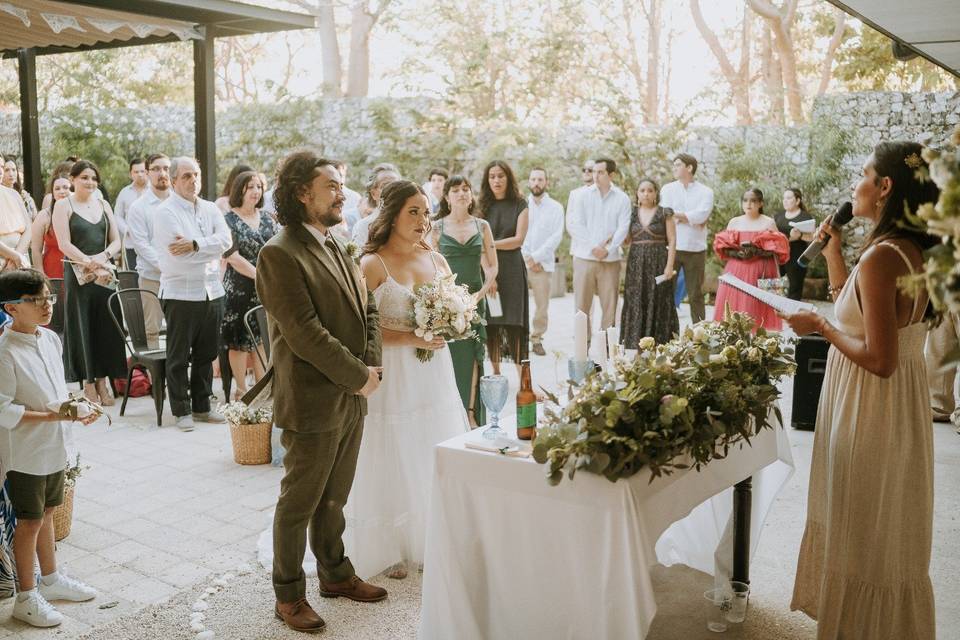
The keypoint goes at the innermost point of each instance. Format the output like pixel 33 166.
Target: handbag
pixel 103 275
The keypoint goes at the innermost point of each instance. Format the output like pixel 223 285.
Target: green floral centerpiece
pixel 675 405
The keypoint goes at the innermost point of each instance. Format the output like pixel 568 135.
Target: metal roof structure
pixel 928 28
pixel 31 28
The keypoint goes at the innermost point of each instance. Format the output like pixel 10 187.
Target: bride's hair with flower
pixel 454 181
pixel 392 199
pixel 901 161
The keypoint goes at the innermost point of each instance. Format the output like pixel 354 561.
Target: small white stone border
pixel 201 606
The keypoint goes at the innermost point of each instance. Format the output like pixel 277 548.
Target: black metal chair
pixel 57 320
pixel 127 280
pixel 260 314
pixel 135 337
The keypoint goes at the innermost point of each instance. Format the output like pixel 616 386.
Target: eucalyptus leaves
pixel 676 405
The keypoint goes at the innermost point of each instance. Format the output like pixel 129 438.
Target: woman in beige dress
pixel 863 570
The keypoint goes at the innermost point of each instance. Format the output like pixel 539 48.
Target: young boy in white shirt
pixel 33 441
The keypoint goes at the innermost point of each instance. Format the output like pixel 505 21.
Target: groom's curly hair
pixel 294 176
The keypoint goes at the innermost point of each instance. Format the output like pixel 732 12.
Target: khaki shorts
pixel 31 494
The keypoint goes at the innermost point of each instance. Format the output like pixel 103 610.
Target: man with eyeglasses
pixel 140 219
pixel 34 443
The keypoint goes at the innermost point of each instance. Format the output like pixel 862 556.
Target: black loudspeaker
pixel 811 365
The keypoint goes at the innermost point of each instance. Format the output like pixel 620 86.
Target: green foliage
pixel 683 403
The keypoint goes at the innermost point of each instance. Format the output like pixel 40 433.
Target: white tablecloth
pixel 508 556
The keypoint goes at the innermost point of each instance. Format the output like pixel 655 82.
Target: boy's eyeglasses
pixel 37 300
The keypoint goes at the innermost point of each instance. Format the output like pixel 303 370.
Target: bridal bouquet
pixel 446 309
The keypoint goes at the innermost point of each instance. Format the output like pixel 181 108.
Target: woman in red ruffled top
pixel 753 248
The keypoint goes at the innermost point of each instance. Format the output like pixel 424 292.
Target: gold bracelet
pixel 834 290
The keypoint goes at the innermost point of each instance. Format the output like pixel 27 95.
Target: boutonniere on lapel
pixel 353 250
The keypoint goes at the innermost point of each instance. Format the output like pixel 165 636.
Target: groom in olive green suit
pixel 325 352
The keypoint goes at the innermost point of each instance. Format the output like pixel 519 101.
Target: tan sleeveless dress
pixel 863 570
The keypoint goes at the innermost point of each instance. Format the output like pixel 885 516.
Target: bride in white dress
pixel 417 405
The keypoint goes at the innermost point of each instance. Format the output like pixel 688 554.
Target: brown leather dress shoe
pixel 299 616
pixel 353 588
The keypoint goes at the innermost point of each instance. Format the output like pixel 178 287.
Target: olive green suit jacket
pixel 324 332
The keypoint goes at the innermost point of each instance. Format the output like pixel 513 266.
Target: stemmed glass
pixel 493 394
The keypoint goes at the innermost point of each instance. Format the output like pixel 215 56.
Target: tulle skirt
pixel 416 407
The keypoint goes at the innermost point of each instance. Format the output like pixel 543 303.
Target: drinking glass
pixel 493 394
pixel 741 597
pixel 721 601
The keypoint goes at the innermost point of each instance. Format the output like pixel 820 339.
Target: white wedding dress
pixel 416 407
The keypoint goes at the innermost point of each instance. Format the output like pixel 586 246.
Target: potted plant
pixel 249 432
pixel 63 513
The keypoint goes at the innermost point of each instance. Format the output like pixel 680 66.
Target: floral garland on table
pixel 941 275
pixel 679 404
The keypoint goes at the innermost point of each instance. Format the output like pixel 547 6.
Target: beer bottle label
pixel 526 415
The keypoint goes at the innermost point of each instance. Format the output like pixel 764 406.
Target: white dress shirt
pixel 696 202
pixel 594 220
pixel 31 377
pixel 194 276
pixel 544 231
pixel 121 209
pixel 361 230
pixel 140 228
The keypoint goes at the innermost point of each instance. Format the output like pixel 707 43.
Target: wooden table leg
pixel 742 498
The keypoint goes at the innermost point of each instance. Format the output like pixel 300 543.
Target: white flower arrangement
pixel 446 309
pixel 239 413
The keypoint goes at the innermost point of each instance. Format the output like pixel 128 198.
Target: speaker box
pixel 811 365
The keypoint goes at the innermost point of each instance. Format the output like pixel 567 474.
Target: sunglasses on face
pixel 37 300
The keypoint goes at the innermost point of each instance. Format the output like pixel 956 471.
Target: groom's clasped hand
pixel 374 374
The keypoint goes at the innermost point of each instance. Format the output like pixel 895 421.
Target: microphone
pixel 840 218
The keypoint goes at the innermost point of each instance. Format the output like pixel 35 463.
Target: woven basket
pixel 63 515
pixel 251 443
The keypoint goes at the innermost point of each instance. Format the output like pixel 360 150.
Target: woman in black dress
pixel 93 350
pixel 251 228
pixel 506 211
pixel 794 211
pixel 648 308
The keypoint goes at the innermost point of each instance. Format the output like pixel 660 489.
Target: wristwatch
pixel 196 247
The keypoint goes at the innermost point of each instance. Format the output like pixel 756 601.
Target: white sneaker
pixel 35 610
pixel 209 416
pixel 185 423
pixel 67 588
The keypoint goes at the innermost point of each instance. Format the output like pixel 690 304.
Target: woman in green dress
pixel 467 243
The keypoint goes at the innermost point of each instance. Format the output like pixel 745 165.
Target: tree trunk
pixel 772 79
pixel 329 51
pixel 780 20
pixel 652 97
pixel 739 84
pixel 358 69
pixel 826 67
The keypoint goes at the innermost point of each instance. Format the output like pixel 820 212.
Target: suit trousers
pixel 319 469
pixel 941 340
pixel 152 312
pixel 693 263
pixel 540 282
pixel 601 279
pixel 193 330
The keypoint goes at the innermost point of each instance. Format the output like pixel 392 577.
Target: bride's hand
pixel 432 345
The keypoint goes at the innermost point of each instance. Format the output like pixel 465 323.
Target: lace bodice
pixel 395 304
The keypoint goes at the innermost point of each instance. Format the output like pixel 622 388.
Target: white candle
pixel 598 348
pixel 613 339
pixel 580 337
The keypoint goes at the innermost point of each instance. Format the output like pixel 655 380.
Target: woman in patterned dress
pixel 251 228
